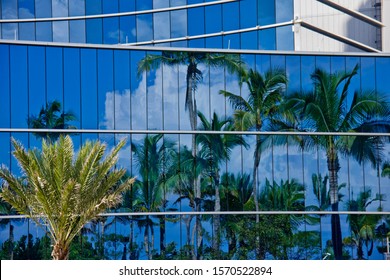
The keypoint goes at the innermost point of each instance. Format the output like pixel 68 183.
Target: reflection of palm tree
pixel 152 158
pixel 362 226
pixel 6 209
pixel 265 94
pixel 62 190
pixel 216 148
pixel 51 117
pixel 194 75
pixel 328 110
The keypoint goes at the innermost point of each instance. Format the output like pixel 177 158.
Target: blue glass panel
pixel 9 31
pixel 44 31
pixel 267 39
pixel 307 68
pixel 231 41
pixel 19 86
pixel 27 31
pixel 106 89
pixel 230 17
pixel 213 16
pixel 61 31
pixel 157 4
pixel 144 28
pixel 26 9
pixel 285 38
pixel 249 40
pixel 196 27
pixel 179 44
pixel 72 87
pixel 266 12
pixel 60 8
pixel 284 10
pixel 293 71
pixel 94 31
pixel 37 84
pixel 110 6
pixel 178 23
pixel 42 8
pixel 197 43
pixel 88 89
pixel 54 74
pixel 127 29
pixel 323 62
pixel 176 3
pixel 161 24
pixel 350 63
pixel 214 42
pixel 138 91
pixel 126 6
pixel 93 7
pixel 144 5
pixel 337 63
pixel 77 31
pixel 9 9
pixel 76 7
pixel 368 73
pixel 5 121
pixel 278 61
pixel 263 63
pixel 122 89
pixel 248 13
pixel 111 30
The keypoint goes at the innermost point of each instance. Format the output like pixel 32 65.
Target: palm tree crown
pixel 61 190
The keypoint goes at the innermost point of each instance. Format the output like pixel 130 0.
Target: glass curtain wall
pixel 112 90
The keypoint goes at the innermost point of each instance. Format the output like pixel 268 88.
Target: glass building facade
pixel 113 95
pixel 249 24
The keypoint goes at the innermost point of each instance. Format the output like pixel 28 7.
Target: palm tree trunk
pixel 256 162
pixel 162 236
pixel 11 241
pixel 191 105
pixel 333 168
pixel 60 251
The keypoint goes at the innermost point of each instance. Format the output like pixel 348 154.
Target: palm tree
pixel 194 76
pixel 265 95
pixel 217 148
pixel 152 158
pixel 61 190
pixel 326 109
pixel 51 117
pixel 363 226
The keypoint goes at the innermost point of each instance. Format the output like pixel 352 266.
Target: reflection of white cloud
pixel 144 31
pixel 60 8
pixel 25 13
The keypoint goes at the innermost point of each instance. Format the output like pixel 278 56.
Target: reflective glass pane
pixel 126 6
pixel 284 10
pixel 88 89
pixel 178 23
pixel 43 8
pixel 26 9
pixel 161 23
pixel 77 31
pixel 60 8
pixel 9 31
pixel 144 5
pixel 54 74
pixel 122 89
pixel 196 27
pixel 5 86
pixel 267 39
pixel 110 6
pixel 111 30
pixel 44 31
pixel 213 18
pixel 266 12
pixel 94 31
pixel 230 17
pixel 76 7
pixel 248 13
pixel 249 40
pixel 93 7
pixel 27 31
pixel 127 31
pixel 9 9
pixel 144 27
pixel 285 38
pixel 106 89
pixel 61 31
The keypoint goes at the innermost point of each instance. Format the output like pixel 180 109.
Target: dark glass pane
pixel 110 6
pixel 196 24
pixel 307 68
pixel 76 7
pixel 54 74
pixel 213 15
pixel 293 71
pixel 144 5
pixel 368 73
pixel 126 6
pixel 230 17
pixel 249 40
pixel 77 31
pixel 94 31
pixel 196 43
pixel 88 90
pixel 5 86
pixel 214 42
pixel 111 30
pixel 248 13
pixel 231 41
pixel 127 29
pixel 19 86
pixel 93 7
pixel 266 12
pixel 26 9
pixel 37 84
pixel 267 39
